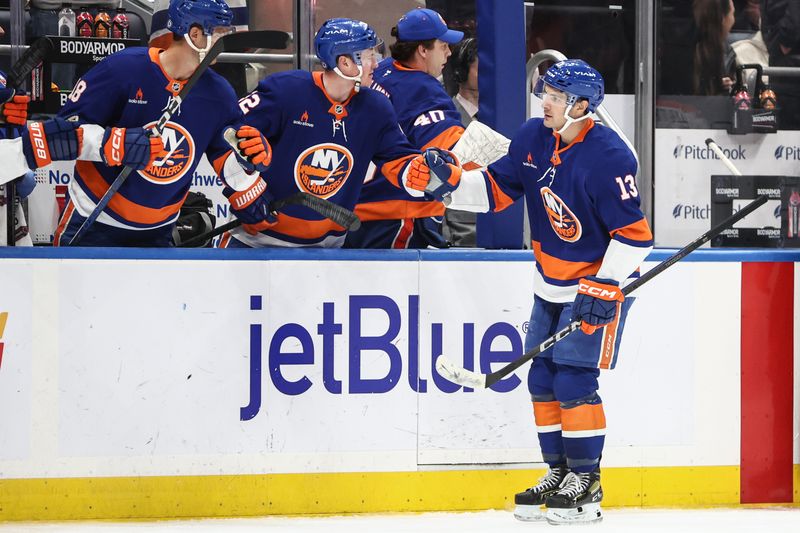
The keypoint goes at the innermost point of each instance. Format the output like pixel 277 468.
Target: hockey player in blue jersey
pixel 122 97
pixel 589 237
pixel 325 129
pixel 390 217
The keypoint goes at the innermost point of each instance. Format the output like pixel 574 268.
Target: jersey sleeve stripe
pixel 446 139
pixel 397 209
pixel 636 234
pixel 558 269
pixel 392 170
pixel 498 199
pixel 121 206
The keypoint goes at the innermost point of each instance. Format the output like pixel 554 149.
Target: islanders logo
pixel 323 169
pixel 564 222
pixel 176 159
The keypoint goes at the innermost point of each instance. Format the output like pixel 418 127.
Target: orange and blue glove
pixel 133 147
pixel 252 149
pixel 252 206
pixel 436 172
pixel 52 140
pixel 596 303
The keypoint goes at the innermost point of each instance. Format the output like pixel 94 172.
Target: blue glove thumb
pixel 25 184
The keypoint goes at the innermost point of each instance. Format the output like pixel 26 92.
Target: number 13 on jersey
pixel 627 187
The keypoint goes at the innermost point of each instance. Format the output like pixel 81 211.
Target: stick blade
pixel 29 60
pixel 457 374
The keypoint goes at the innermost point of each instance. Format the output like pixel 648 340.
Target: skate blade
pixel 529 513
pixel 585 514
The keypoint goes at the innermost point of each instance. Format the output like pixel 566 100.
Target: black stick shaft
pixel 494 377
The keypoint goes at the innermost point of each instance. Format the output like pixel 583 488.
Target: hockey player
pixel 390 217
pixel 122 97
pixel 325 129
pixel 589 237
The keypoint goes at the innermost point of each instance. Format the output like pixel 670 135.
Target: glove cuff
pixel 35 146
pixel 241 199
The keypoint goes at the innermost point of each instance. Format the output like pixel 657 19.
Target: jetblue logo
pixel 342 373
pixel 787 153
pixel 697 151
pixel 691 212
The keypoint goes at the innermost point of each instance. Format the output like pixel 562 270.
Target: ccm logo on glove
pixel 598 292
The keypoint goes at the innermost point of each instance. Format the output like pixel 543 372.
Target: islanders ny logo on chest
pixel 562 219
pixel 323 169
pixel 176 159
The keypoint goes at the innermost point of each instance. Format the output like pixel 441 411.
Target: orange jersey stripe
pixel 638 231
pixel 547 413
pixel 120 205
pixel 301 228
pixel 556 268
pixel 447 139
pixel 62 224
pixel 220 162
pixel 583 417
pixel 392 169
pixel 398 209
pixel 501 199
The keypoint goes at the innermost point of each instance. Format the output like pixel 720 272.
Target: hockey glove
pixel 596 303
pixel 15 110
pixel 436 172
pixel 252 150
pixel 133 147
pixel 251 206
pixel 51 140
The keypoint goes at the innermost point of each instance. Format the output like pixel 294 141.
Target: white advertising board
pixel 684 166
pixel 178 367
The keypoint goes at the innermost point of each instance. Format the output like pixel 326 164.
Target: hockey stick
pixel 338 214
pixel 451 371
pixel 232 41
pixel 15 77
pixel 727 162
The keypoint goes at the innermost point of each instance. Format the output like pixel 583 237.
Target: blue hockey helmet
pixel 208 14
pixel 577 79
pixel 343 37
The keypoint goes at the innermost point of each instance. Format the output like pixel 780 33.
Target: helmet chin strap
pixel 356 79
pixel 200 51
pixel 569 120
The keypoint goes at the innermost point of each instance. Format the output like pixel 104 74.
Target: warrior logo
pixel 322 169
pixel 176 159
pixel 564 222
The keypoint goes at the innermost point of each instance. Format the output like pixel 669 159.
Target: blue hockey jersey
pixel 428 118
pixel 321 147
pixel 579 198
pixel 131 89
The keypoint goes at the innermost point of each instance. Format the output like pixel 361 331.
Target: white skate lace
pixel 574 484
pixel 548 481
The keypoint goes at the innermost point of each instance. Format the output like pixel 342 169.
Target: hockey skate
pixel 529 503
pixel 577 501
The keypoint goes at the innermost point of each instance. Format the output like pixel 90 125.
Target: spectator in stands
pixel 780 26
pixel 714 61
pixel 459 226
